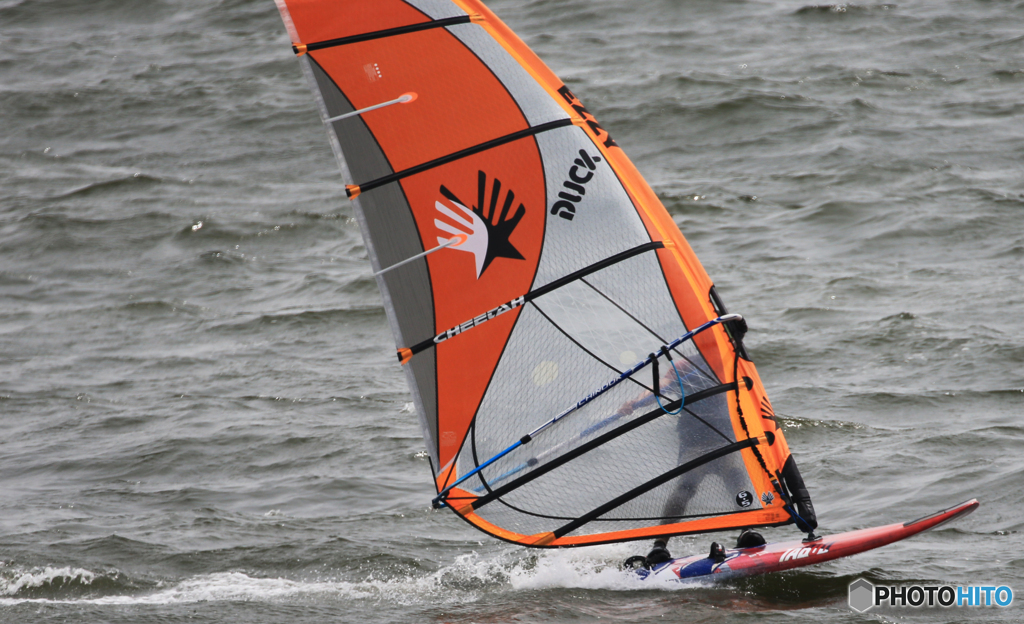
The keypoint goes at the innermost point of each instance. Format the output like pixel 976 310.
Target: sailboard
pixel 578 378
pixel 751 561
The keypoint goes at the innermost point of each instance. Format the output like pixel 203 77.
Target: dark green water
pixel 202 416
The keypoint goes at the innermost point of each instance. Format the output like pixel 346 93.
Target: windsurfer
pixel 805 518
pixel 705 439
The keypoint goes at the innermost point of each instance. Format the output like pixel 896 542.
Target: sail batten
pixel 469 151
pixel 494 192
pixel 302 48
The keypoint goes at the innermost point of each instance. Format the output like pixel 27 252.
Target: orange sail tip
pixel 352 190
pixel 404 355
pixel 543 539
pixel 408 97
pixel 299 49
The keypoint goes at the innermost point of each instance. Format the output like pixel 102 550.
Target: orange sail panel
pixel 524 264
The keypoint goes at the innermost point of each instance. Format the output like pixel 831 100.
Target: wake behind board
pixel 797 554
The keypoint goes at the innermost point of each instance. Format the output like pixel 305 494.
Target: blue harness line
pixel 679 380
pixel 437 502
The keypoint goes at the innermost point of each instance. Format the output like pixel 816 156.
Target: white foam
pixel 225 586
pixel 45 576
pixel 595 567
pixel 465 580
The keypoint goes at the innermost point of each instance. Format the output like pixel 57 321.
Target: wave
pixel 59 584
pixel 469 578
pixel 843 8
pixel 365 314
pixel 130 182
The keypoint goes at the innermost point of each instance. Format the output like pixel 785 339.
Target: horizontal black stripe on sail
pixel 653 483
pixel 405 354
pixel 354 190
pixel 300 48
pixel 596 442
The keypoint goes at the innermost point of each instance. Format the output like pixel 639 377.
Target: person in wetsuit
pixel 696 441
pixel 807 520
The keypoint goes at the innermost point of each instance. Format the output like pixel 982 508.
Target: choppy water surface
pixel 202 416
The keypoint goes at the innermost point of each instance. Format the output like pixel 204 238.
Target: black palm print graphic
pixel 499 226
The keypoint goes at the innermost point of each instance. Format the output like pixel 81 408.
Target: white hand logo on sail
pixel 483 230
pixel 471 229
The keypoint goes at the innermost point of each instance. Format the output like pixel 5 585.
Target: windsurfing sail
pixel 577 377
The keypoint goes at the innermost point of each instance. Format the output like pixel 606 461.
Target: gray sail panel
pixel 593 223
pixel 716 496
pixel 607 329
pixel 654 308
pixel 544 358
pixel 591 217
pixel 390 233
pixel 585 482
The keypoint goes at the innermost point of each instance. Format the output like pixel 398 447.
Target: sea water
pixel 202 416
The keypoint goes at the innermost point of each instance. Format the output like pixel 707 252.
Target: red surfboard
pixel 797 554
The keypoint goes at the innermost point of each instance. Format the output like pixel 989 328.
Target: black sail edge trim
pixel 653 483
pixel 739 413
pixel 469 151
pixel 558 283
pixel 380 34
pixel 471 435
pixel 596 442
